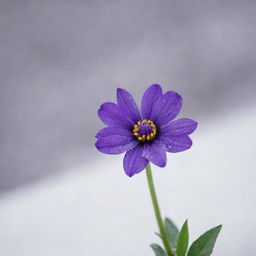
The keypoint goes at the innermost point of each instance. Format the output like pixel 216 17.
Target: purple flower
pixel 144 135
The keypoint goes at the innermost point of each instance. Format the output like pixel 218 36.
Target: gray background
pixel 59 60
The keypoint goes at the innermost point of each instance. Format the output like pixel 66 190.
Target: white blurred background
pixel 59 60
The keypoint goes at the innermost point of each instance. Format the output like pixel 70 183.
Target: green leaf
pixel 203 246
pixel 182 245
pixel 172 233
pixel 158 235
pixel 158 250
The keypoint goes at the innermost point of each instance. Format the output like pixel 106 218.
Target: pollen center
pixel 144 130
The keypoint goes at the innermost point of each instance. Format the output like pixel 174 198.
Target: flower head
pixel 144 135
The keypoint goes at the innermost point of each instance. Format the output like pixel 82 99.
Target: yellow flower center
pixel 144 130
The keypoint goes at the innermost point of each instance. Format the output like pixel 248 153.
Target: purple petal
pixel 134 162
pixel 177 143
pixel 182 126
pixel 150 97
pixel 156 110
pixel 128 106
pixel 113 131
pixel 167 108
pixel 109 114
pixel 155 153
pixel 114 141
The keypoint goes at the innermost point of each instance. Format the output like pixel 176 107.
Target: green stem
pixel 157 211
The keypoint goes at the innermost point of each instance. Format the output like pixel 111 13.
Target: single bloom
pixel 146 134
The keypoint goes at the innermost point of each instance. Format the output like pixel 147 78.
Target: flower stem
pixel 157 211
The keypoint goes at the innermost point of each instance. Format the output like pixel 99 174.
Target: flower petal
pixel 150 97
pixel 128 106
pixel 177 143
pixel 156 110
pixel 109 114
pixel 167 108
pixel 155 153
pixel 134 162
pixel 182 126
pixel 113 131
pixel 114 141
